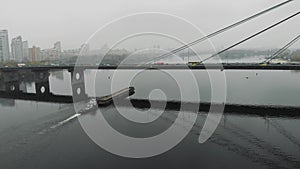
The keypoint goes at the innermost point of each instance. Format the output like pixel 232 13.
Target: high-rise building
pixel 17 49
pixel 34 54
pixel 54 53
pixel 49 54
pixel 57 46
pixel 25 51
pixel 57 49
pixel 4 46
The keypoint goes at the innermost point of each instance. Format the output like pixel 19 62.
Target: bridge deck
pixel 234 66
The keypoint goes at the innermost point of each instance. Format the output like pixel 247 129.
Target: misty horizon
pixel 46 23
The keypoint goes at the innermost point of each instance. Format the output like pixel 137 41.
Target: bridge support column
pixel 11 81
pixel 42 84
pixel 78 84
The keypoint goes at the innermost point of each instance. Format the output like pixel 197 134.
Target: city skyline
pixel 17 49
pixel 74 28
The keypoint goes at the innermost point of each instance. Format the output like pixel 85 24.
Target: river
pixel 29 140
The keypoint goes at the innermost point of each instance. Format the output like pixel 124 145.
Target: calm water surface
pixel 27 139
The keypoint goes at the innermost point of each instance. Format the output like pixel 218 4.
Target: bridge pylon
pixel 11 81
pixel 78 84
pixel 42 84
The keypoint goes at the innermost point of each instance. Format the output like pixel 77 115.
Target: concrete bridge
pixel 11 77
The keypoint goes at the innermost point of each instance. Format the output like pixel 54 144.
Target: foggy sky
pixel 43 22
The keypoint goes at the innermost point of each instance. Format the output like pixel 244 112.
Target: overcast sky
pixel 43 22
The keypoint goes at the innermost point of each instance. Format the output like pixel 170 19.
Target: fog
pixel 43 22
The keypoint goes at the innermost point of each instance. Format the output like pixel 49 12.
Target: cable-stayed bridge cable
pixel 280 51
pixel 219 31
pixel 252 36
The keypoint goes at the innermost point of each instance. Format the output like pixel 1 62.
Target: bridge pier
pixel 11 81
pixel 42 84
pixel 78 84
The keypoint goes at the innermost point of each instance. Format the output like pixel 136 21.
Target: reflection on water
pixel 241 141
pixel 250 87
pixel 295 71
pixel 7 102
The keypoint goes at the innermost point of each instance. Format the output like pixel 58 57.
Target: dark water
pixel 29 140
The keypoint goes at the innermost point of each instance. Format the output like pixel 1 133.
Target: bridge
pixel 11 76
pixel 207 66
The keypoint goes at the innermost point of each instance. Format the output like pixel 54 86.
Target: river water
pixel 29 140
